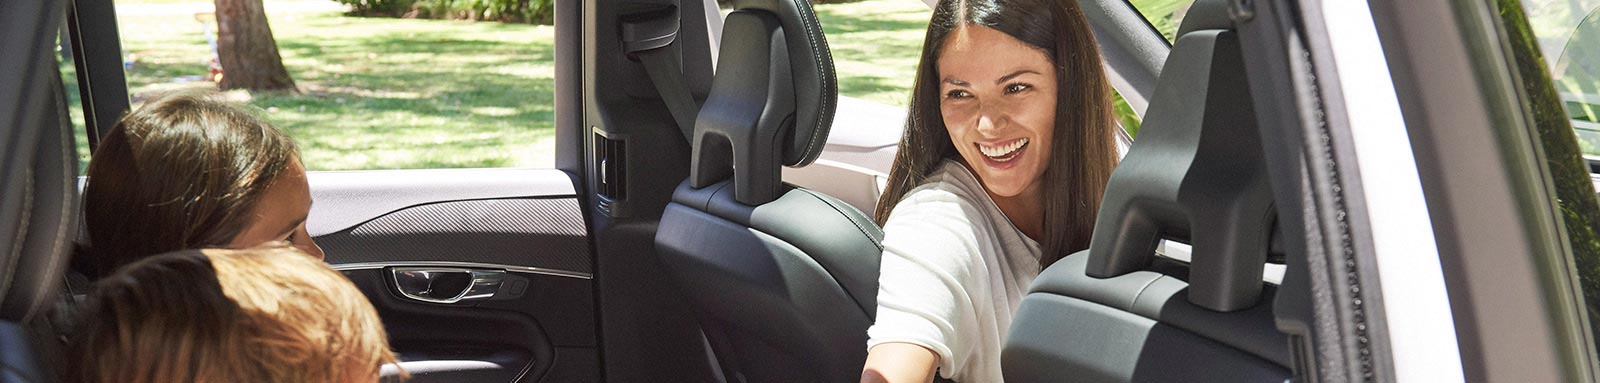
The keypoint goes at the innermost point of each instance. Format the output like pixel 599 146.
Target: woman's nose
pixel 988 119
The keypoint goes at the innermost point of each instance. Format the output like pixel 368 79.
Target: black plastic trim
pixel 97 53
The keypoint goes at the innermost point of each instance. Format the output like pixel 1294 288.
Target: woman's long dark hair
pixel 1084 144
pixel 184 171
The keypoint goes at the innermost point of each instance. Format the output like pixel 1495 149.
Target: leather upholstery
pixel 19 363
pixel 1197 174
pixel 785 290
pixel 815 87
pixel 38 165
pixel 784 280
pixel 772 100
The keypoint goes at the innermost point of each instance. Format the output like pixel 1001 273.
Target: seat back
pixel 38 195
pixel 19 362
pixel 38 161
pixel 1118 313
pixel 784 280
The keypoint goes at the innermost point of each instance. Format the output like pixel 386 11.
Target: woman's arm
pixel 897 362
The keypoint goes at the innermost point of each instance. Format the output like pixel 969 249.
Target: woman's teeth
pixel 1003 153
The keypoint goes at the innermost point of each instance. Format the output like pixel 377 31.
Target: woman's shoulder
pixel 950 182
pixel 950 190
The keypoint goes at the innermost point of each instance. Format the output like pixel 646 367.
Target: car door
pixel 479 275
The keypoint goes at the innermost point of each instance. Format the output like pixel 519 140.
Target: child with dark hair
pixel 189 171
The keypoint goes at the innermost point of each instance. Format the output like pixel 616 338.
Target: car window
pixel 1568 32
pixel 877 45
pixel 1163 15
pixel 1556 26
pixel 69 82
pixel 390 84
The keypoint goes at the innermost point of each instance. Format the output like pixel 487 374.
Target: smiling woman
pixel 1008 146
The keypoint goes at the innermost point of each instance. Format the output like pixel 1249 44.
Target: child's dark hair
pixel 182 172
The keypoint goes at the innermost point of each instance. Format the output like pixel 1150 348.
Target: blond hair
pixel 257 315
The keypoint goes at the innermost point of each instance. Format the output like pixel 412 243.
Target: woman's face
pixel 281 213
pixel 998 100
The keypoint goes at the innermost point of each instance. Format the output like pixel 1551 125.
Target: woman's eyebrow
pixel 1014 75
pixel 956 82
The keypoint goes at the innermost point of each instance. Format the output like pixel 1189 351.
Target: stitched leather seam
pixel 1136 295
pixel 823 73
pixel 15 255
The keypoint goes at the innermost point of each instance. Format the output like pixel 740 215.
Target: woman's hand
pixel 899 363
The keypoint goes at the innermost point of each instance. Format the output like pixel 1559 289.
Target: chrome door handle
pixel 446 285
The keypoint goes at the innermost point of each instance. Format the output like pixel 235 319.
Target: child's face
pixel 281 214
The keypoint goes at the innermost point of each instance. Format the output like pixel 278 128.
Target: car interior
pixel 783 280
pixel 702 264
pixel 1116 313
pixel 681 236
pixel 38 193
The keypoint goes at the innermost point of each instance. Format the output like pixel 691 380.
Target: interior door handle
pixel 447 285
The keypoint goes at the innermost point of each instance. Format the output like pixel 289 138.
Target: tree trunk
pixel 246 49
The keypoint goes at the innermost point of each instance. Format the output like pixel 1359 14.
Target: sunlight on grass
pixel 876 46
pixel 381 93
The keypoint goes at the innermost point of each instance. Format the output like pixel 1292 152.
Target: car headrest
pixel 1195 174
pixel 771 101
pixel 38 165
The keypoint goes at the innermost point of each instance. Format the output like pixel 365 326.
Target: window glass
pixel 69 82
pixel 1568 32
pixel 877 45
pixel 380 84
pixel 1164 15
pixel 1555 25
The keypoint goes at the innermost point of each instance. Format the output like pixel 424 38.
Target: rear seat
pixel 38 198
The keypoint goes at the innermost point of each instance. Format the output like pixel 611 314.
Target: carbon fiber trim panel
pixel 537 233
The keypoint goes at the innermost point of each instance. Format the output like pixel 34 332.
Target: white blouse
pixel 954 270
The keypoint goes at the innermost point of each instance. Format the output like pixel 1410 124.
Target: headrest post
pixel 771 102
pixel 1197 174
pixel 750 113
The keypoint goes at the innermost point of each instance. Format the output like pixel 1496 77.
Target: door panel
pixel 536 323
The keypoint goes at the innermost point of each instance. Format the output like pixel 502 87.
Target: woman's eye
pixel 957 94
pixel 1017 88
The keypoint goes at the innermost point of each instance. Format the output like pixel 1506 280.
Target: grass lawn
pixel 876 45
pixel 392 93
pixel 379 93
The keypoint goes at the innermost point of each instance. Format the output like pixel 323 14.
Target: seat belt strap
pixel 650 41
pixel 666 72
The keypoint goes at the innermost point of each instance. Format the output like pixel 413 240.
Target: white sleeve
pixel 929 254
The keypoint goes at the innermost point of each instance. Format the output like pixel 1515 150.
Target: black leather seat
pixel 784 280
pixel 38 199
pixel 1118 313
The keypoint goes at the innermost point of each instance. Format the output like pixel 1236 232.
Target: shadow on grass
pixel 843 18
